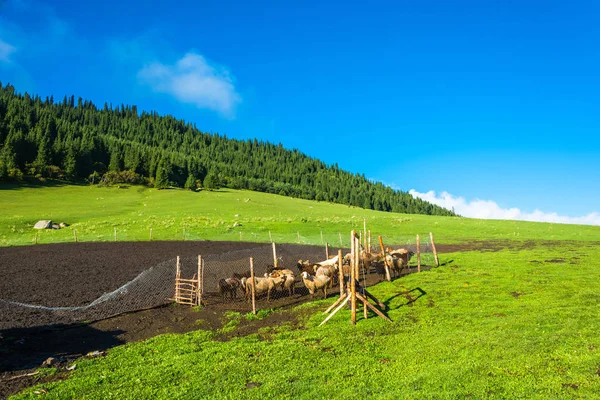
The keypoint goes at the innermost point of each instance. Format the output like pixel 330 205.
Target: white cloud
pixel 5 51
pixel 194 80
pixel 488 209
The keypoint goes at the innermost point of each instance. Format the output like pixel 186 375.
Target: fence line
pixel 157 285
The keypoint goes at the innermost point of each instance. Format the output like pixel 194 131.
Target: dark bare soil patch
pixel 555 260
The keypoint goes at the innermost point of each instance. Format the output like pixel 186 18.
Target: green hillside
pixel 77 141
pixel 95 212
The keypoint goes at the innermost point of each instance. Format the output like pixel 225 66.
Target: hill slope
pixel 76 140
pixel 96 213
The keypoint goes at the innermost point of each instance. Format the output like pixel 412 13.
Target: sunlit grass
pixel 141 214
pixel 504 325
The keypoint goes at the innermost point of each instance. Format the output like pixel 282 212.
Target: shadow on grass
pixel 35 184
pixel 408 295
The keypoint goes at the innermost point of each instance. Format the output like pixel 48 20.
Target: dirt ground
pixel 78 273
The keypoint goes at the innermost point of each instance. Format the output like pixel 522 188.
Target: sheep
pixel 305 266
pixel 242 275
pixel 332 261
pixel 314 283
pixel 370 260
pixel 229 286
pixel 289 280
pixel 403 256
pixel 265 284
pixel 327 270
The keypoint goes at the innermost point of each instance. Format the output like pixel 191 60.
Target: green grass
pixel 487 325
pixel 94 213
pixel 495 325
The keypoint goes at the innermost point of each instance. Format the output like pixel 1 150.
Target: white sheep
pixel 314 283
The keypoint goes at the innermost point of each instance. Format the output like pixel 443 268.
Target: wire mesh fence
pixel 156 285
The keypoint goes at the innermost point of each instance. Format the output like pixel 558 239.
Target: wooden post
pixel 322 238
pixel 339 307
pixel 200 282
pixel 75 234
pixel 252 283
pixel 364 238
pixel 365 309
pixel 115 234
pixel 353 278
pixel 327 251
pixel 418 254
pixel 274 256
pixel 177 276
pixel 341 243
pixel 435 255
pixel 385 263
pixel 341 271
pixel 202 293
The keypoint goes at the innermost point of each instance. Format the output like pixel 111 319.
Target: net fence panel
pixel 151 288
pixel 156 285
pixel 236 264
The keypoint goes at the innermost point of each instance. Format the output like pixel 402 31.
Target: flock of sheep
pixel 315 276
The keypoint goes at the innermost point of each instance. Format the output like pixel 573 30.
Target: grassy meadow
pixel 519 323
pixel 136 212
pixel 493 325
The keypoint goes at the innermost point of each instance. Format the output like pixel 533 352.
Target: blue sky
pixel 490 107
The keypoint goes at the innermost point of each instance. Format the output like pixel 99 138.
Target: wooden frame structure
pixel 189 291
pixel 354 291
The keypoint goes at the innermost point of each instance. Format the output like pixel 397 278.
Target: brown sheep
pixel 229 287
pixel 289 280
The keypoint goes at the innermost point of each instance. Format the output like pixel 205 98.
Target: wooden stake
pixel 369 241
pixel 177 276
pixel 418 254
pixel 202 280
pixel 437 262
pixel 327 251
pixel 341 271
pixel 385 263
pixel 372 307
pixel 274 256
pixel 75 234
pixel 331 307
pixel 353 278
pixel 199 287
pixel 252 283
pixel 364 238
pixel 333 313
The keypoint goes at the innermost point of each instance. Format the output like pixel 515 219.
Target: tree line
pixel 74 140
